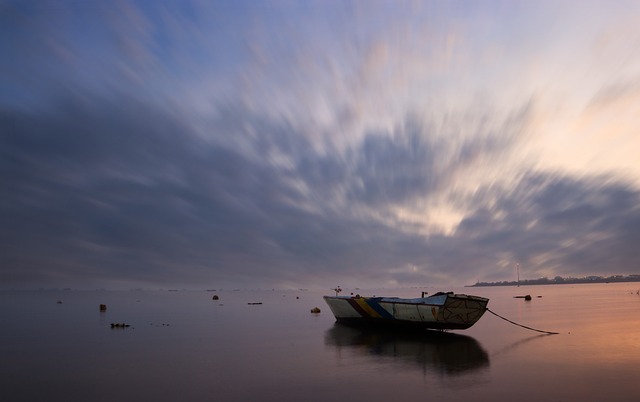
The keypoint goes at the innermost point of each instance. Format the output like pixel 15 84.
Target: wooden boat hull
pixel 442 311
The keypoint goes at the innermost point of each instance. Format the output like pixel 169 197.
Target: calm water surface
pixel 185 346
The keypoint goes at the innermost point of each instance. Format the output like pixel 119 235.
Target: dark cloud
pixel 101 191
pixel 392 169
pixel 560 224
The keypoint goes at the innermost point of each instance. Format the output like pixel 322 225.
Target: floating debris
pixel 315 310
pixel 59 302
pixel 254 303
pixel 119 325
pixel 103 307
pixel 527 297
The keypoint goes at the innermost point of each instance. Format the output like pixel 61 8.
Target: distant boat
pixel 442 311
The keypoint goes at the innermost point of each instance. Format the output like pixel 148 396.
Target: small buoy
pixel 103 307
pixel 59 302
pixel 215 297
pixel 315 310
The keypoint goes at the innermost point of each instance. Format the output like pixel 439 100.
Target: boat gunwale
pixel 416 301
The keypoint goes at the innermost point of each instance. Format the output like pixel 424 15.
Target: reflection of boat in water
pixel 440 311
pixel 447 353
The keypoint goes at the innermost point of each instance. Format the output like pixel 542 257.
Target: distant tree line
pixel 558 280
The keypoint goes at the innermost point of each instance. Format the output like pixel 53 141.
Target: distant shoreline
pixel 562 281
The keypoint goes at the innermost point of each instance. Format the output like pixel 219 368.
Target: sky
pixel 260 144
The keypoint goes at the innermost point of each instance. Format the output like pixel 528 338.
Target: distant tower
pixel 518 271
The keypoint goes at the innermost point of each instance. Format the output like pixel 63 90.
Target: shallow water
pixel 185 346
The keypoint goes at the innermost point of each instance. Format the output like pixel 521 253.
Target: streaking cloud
pixel 268 145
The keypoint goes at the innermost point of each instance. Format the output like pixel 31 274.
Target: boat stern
pixel 461 311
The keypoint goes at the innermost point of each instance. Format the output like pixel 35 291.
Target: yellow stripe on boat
pixel 363 304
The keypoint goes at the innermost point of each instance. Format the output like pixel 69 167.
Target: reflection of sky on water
pixel 229 350
pixel 444 353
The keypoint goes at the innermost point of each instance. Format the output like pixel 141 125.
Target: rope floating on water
pixel 523 326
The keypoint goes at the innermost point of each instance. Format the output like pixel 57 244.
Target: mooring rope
pixel 520 325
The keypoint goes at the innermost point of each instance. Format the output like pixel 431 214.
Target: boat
pixel 440 311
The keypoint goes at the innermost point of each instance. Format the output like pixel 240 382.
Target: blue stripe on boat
pixel 373 303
